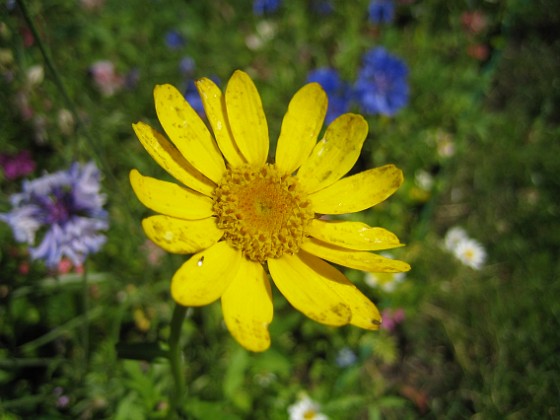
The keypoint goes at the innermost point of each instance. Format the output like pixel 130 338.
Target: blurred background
pixel 463 96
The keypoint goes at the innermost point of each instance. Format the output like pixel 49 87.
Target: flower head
pixel 471 253
pixel 338 91
pixel 68 206
pixel 18 165
pixel 106 78
pixel 241 215
pixel 382 86
pixel 261 7
pixel 306 409
pixel 381 11
pixel 387 282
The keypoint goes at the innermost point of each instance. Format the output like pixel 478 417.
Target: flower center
pixel 263 212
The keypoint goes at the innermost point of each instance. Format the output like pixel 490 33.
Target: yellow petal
pixel 359 260
pixel 205 277
pixel 353 235
pixel 169 198
pixel 182 236
pixel 246 118
pixel 306 287
pixel 215 108
pixel 335 154
pixel 300 127
pixel 357 192
pixel 364 313
pixel 247 306
pixel 188 132
pixel 169 158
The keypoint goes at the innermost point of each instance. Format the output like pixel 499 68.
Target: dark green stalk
pixel 176 358
pixel 62 89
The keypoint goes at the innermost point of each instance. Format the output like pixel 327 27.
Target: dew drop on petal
pixel 200 261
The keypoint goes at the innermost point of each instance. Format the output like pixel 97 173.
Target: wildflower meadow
pixel 313 209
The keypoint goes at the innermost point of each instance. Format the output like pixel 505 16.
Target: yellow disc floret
pixel 262 211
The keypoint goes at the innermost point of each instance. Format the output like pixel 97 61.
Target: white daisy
pixel 453 237
pixel 306 409
pixel 470 253
pixel 388 282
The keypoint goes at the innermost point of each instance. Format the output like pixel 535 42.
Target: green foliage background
pixel 481 344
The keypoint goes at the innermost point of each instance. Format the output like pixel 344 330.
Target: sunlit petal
pixel 246 118
pixel 182 236
pixel 169 158
pixel 188 132
pixel 205 276
pixel 353 235
pixel 364 313
pixel 247 306
pixel 357 192
pixel 169 198
pixel 335 154
pixel 359 260
pixel 307 289
pixel 300 127
pixel 215 108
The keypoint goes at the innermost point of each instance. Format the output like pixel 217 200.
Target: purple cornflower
pixel 66 208
pixel 382 83
pixel 338 91
pixel 261 7
pixel 381 11
pixel 18 165
pixel 174 40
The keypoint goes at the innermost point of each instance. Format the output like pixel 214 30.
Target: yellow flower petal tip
pixel 247 215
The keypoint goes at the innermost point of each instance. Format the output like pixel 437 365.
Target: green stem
pixel 85 309
pixel 176 357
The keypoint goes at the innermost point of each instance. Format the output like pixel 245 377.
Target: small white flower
pixel 388 282
pixel 345 357
pixel 453 237
pixel 424 180
pixel 470 253
pixel 305 409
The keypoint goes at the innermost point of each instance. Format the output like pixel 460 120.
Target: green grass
pixel 481 344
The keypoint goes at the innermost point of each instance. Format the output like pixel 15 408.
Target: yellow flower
pixel 241 216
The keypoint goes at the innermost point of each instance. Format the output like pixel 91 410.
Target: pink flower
pixel 474 22
pixel 18 165
pixel 106 78
pixel 392 318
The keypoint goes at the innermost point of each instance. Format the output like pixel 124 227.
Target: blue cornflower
pixel 260 7
pixel 193 98
pixel 382 83
pixel 338 91
pixel 68 207
pixel 174 40
pixel 381 11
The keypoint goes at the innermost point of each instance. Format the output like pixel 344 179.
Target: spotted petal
pixel 357 192
pixel 215 108
pixel 306 287
pixel 353 235
pixel 169 198
pixel 364 313
pixel 246 118
pixel 247 306
pixel 182 236
pixel 188 132
pixel 300 127
pixel 169 158
pixel 205 277
pixel 335 154
pixel 359 260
